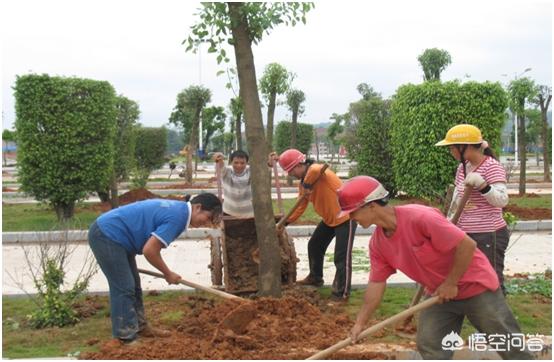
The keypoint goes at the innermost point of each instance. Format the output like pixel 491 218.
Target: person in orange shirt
pixel 323 196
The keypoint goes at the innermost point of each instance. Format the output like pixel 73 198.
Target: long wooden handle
pixel 278 187
pixel 194 285
pixel 462 205
pixel 299 201
pixel 218 179
pixel 395 318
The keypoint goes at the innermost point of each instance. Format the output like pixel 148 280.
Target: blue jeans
pixel 120 268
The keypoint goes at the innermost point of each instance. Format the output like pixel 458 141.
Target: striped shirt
pixel 237 192
pixel 479 215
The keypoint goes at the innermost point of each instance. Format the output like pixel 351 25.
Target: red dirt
pixel 134 196
pixel 524 213
pixel 288 328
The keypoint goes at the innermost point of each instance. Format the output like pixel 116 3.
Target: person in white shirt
pixel 237 193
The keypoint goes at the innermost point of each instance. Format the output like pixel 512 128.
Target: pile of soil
pixel 134 196
pixel 185 185
pixel 292 327
pixel 525 213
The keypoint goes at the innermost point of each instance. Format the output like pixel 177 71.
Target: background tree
pixel 521 90
pixel 433 62
pixel 274 81
pixel 190 103
pixel 175 141
pixel 533 132
pixel 283 132
pixel 65 129
pixel 236 108
pixel 247 23
pixel 372 149
pixel 151 144
pixel 213 120
pixel 334 131
pixel 7 136
pixel 124 145
pixel 295 98
pixel 543 98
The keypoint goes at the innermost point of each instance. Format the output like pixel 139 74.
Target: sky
pixel 136 46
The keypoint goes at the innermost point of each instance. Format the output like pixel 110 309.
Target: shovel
pixel 281 222
pixel 219 293
pixel 394 319
pixel 300 200
pixel 236 320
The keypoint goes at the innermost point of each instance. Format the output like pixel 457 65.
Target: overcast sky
pixel 136 46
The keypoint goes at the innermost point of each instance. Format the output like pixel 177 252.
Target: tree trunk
pixel 104 195
pixel 270 117
pixel 238 131
pixel 65 211
pixel 522 153
pixel 316 145
pixel 114 197
pixel 544 136
pixel 192 145
pixel 269 276
pixel 293 128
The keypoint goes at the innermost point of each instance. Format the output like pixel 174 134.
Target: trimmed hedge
pixel 421 116
pixel 65 129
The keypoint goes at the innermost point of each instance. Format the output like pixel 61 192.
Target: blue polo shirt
pixel 132 225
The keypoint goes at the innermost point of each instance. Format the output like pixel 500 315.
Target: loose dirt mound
pixel 286 328
pixel 524 213
pixel 134 196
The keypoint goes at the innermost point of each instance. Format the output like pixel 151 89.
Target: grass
pixel 19 340
pixel 360 260
pixel 544 201
pixel 36 217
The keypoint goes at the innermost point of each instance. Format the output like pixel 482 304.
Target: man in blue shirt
pixel 143 227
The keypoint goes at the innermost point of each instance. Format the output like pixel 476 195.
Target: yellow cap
pixel 462 134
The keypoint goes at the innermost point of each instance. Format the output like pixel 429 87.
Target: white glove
pixel 475 180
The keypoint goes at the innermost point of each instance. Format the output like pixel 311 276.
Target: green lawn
pixel 544 201
pixel 34 217
pixel 19 340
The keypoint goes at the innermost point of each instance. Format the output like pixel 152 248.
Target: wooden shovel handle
pixel 194 285
pixel 395 318
pixel 218 179
pixel 278 187
pixel 299 201
pixel 462 205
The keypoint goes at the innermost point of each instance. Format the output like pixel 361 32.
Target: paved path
pixel 528 253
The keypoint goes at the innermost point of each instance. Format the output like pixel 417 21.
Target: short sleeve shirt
pixel 423 247
pixel 132 225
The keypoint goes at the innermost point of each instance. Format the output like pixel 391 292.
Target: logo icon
pixel 452 342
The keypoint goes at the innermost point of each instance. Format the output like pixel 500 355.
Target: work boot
pixel 310 280
pixel 149 331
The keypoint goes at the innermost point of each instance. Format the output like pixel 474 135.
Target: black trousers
pixel 317 246
pixel 493 245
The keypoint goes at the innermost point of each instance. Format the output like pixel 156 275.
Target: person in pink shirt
pixel 420 242
pixel 482 217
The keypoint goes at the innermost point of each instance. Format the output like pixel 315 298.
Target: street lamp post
pixel 516 153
